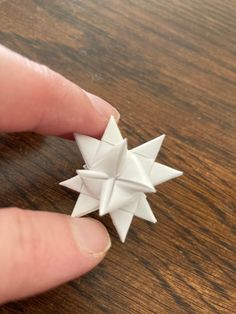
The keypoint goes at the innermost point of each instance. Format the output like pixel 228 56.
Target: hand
pixel 40 250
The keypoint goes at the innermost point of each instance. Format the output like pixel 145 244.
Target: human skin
pixel 41 250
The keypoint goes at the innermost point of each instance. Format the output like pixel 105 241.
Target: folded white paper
pixel 115 179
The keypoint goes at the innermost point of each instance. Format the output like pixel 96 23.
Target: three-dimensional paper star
pixel 115 179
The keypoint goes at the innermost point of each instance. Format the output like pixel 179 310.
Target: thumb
pixel 40 250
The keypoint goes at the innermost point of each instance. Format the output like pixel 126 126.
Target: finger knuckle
pixel 57 86
pixel 26 246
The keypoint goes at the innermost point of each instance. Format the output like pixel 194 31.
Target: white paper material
pixel 115 179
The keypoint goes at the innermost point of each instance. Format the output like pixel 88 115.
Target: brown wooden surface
pixel 169 67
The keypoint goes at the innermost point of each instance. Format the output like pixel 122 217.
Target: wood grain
pixel 169 67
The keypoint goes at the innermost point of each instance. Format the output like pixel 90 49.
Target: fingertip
pixel 90 236
pixel 103 107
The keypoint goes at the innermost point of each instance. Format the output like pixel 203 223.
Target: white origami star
pixel 115 179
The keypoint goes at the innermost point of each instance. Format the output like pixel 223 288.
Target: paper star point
pixel 115 179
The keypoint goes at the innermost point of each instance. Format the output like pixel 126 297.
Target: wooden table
pixel 169 67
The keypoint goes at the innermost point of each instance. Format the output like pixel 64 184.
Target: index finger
pixel 35 98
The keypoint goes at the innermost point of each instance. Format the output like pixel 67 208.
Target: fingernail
pixel 90 236
pixel 103 107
